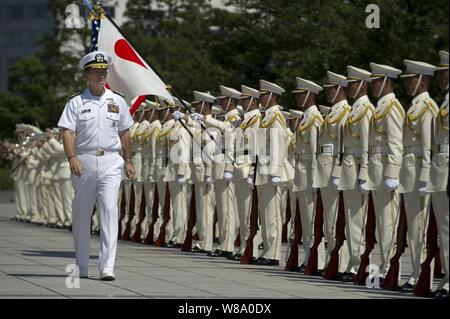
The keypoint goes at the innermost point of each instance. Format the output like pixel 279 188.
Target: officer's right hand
pixel 75 166
pixel 177 115
pixel 181 179
pixel 250 182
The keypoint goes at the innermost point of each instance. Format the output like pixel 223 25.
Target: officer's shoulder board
pixel 118 93
pixel 74 95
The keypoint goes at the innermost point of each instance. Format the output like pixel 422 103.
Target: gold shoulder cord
pixel 443 114
pixel 278 117
pixel 330 122
pixel 410 118
pixel 385 113
pixel 352 120
pixel 307 126
pixel 255 118
pixel 232 118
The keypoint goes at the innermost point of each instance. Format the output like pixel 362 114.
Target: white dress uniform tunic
pixel 97 122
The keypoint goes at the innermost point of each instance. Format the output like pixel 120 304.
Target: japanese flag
pixel 129 73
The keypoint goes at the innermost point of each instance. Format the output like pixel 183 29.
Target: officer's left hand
pixel 276 180
pixel 129 169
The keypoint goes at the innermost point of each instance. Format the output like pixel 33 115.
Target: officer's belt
pixel 416 150
pixel 303 157
pixel 327 149
pixel 355 151
pixel 97 152
pixel 378 149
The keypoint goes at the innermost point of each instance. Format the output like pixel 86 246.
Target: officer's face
pixel 442 79
pixel 96 77
pixel 330 93
pixel 410 84
pixel 264 98
pixel 300 98
pixel 351 88
pixel 376 86
pixel 223 103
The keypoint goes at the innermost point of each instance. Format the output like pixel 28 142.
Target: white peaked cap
pixel 357 74
pixel 229 92
pixel 418 67
pixel 270 87
pixel 249 92
pixel 296 113
pixel 324 109
pixel 203 97
pixel 179 104
pixel 216 109
pixel 443 56
pixel 335 79
pixel 96 60
pixel 287 115
pixel 382 70
pixel 307 85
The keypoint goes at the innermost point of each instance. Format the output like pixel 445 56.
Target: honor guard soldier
pixel 223 168
pixel 438 183
pixel 306 138
pixel 385 159
pixel 415 171
pixel 354 166
pixel 100 120
pixel 328 162
pixel 273 170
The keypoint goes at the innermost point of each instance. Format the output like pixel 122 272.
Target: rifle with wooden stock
pixel 161 240
pixel 246 257
pixel 390 282
pixel 187 244
pixel 126 233
pixel 151 228
pixel 362 274
pixel 423 285
pixel 292 262
pixel 332 269
pixel 311 267
pixel 137 232
pixel 287 215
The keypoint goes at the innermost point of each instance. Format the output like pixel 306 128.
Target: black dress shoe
pixel 301 269
pixel 267 262
pixel 439 294
pixel 235 257
pixel 177 245
pixel 215 253
pixel 348 277
pixel 318 273
pixel 196 249
pixel 406 288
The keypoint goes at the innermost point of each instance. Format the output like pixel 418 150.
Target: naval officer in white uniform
pixel 95 126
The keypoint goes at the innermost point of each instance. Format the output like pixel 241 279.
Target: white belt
pixel 327 149
pixel 97 152
pixel 417 150
pixel 303 157
pixel 442 148
pixel 356 151
pixel 378 149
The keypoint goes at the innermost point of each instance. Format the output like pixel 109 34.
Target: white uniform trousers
pixel 67 195
pixel 100 180
pixel 138 189
pixel 180 213
pixel 355 205
pixel 52 216
pixel 44 203
pixel 149 193
pixel 440 208
pixel 20 201
pixel 33 202
pixel 330 200
pixel 244 206
pixel 307 205
pixel 58 198
pixel 269 200
pixel 205 215
pixel 126 184
pixel 226 208
pixel 161 198
pixel 417 213
pixel 387 209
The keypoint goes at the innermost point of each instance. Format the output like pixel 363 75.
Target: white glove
pixel 181 179
pixel 276 180
pixel 208 180
pixel 391 183
pixel 422 188
pixel 227 176
pixel 151 179
pixel 363 186
pixel 335 182
pixel 250 181
pixel 197 116
pixel 177 115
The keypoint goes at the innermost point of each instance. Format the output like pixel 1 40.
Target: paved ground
pixel 33 260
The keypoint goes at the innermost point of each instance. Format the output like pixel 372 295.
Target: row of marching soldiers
pixel 41 176
pixel 348 176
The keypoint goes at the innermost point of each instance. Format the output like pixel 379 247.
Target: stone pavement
pixel 33 260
